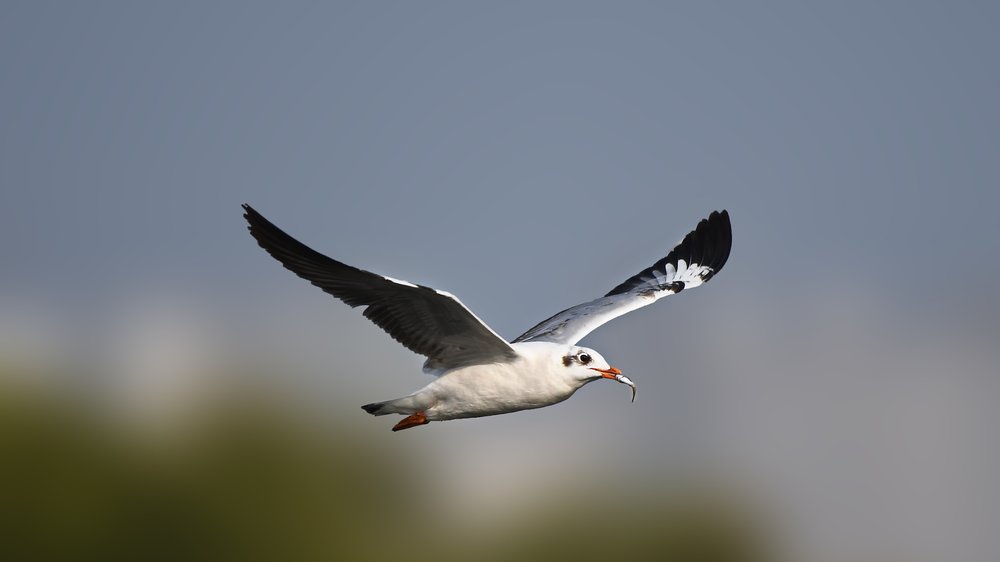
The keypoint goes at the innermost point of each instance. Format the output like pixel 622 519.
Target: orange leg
pixel 413 420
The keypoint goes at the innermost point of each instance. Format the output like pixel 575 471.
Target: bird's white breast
pixel 531 381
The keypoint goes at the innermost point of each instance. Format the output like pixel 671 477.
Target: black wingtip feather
pixel 718 234
pixel 708 244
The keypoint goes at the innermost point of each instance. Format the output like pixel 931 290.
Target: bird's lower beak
pixel 616 375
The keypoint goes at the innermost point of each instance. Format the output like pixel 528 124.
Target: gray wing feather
pixel 429 322
pixel 691 263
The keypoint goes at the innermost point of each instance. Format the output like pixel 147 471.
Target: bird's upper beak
pixel 616 375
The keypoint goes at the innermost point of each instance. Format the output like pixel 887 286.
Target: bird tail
pixel 376 408
pixel 397 406
pixel 405 405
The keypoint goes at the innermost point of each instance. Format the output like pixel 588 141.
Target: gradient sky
pixel 527 156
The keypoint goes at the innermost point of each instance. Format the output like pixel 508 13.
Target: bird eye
pixel 584 358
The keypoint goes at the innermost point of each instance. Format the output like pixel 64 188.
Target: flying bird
pixel 478 373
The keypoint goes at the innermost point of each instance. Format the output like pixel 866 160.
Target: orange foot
pixel 413 420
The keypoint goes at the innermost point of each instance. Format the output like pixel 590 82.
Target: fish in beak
pixel 616 375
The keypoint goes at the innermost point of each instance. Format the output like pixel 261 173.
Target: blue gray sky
pixel 527 156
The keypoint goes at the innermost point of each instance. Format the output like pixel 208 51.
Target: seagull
pixel 478 373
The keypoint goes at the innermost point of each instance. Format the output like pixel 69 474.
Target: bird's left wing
pixel 429 322
pixel 694 261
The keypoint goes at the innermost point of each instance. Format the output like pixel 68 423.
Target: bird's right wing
pixel 429 322
pixel 694 261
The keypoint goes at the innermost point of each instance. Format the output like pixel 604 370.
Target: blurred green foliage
pixel 257 481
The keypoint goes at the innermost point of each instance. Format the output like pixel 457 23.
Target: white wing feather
pixel 691 263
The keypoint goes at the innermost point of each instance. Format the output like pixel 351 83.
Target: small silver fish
pixel 625 380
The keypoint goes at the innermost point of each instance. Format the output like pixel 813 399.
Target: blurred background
pixel 168 391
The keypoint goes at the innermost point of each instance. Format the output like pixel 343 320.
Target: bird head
pixel 585 365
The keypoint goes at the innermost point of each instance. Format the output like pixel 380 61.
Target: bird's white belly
pixel 485 390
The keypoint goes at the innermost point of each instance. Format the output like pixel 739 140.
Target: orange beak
pixel 616 375
pixel 608 374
